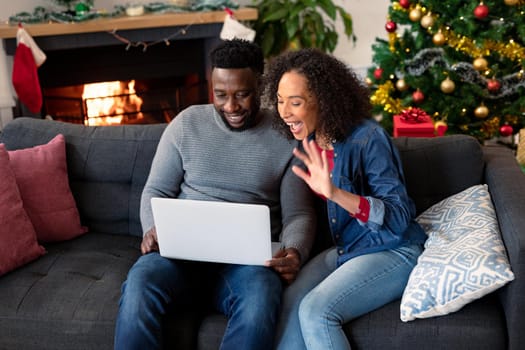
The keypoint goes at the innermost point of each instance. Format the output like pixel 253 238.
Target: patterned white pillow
pixel 464 257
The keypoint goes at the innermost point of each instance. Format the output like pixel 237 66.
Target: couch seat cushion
pixel 479 325
pixel 67 296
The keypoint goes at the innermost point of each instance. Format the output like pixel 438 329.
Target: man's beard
pixel 249 122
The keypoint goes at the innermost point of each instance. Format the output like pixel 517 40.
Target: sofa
pixel 68 298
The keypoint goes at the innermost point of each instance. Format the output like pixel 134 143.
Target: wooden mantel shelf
pixel 127 23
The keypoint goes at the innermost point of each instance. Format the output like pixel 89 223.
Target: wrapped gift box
pixel 413 129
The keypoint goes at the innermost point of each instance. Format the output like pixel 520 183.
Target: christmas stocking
pixel 232 29
pixel 28 57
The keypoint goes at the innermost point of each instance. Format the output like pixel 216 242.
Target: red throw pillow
pixel 18 244
pixel 41 175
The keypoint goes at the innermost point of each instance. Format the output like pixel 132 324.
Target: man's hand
pixel 286 263
pixel 149 242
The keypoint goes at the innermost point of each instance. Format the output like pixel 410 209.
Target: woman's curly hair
pixel 343 101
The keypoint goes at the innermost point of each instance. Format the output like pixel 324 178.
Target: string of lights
pixel 145 45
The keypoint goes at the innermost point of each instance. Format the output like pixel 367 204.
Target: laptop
pixel 221 232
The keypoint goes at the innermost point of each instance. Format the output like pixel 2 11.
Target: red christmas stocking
pixel 25 77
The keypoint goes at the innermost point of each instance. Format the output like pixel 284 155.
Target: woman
pixel 351 162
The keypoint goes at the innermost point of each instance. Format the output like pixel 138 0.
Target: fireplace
pixel 110 85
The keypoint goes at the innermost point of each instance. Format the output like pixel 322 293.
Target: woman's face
pixel 296 105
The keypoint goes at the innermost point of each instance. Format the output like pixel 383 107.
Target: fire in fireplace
pixel 123 102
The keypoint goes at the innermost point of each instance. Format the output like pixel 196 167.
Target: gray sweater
pixel 198 157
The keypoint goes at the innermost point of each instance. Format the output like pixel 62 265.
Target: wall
pixel 369 19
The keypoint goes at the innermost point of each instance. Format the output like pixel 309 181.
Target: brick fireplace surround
pixel 86 52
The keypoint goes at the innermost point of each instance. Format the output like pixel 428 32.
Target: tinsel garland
pixel 381 97
pixel 43 15
pixel 427 58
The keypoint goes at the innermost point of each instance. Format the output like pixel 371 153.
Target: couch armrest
pixel 506 183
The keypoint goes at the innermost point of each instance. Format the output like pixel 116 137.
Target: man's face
pixel 236 96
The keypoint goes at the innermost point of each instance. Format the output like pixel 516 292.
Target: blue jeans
pixel 249 296
pixel 325 297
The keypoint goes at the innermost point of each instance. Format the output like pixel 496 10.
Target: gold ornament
pixel 481 112
pixel 480 64
pixel 511 2
pixel 415 15
pixel 369 81
pixel 427 21
pixel 439 39
pixel 401 85
pixel 448 86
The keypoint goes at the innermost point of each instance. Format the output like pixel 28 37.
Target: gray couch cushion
pixel 68 298
pixel 107 167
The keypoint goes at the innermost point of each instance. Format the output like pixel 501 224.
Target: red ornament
pixel 378 73
pixel 481 11
pixel 390 26
pixel 404 3
pixel 506 130
pixel 418 96
pixel 493 85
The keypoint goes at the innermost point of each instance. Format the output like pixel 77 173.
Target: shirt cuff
pixel 363 211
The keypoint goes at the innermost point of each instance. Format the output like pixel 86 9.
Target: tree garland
pixel 428 58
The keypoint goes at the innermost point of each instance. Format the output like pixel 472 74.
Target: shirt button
pixel 331 175
pixel 335 155
pixel 334 221
pixel 340 252
pixel 337 236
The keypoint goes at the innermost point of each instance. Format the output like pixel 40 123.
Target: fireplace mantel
pixel 127 23
pixel 146 28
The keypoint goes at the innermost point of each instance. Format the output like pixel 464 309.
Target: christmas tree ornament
pixel 415 15
pixel 418 96
pixel 448 86
pixel 481 111
pixel 378 73
pixel 28 57
pixel 439 39
pixel 511 2
pixel 481 11
pixel 404 3
pixel 441 127
pixel 493 85
pixel 506 130
pixel 369 81
pixel 390 26
pixel 401 85
pixel 427 21
pixel 480 64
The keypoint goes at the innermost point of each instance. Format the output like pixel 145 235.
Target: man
pixel 227 151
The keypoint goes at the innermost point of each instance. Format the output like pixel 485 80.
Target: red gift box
pixel 423 128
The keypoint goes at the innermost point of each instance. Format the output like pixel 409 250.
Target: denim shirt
pixel 368 164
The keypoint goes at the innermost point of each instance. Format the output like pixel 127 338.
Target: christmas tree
pixel 459 62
